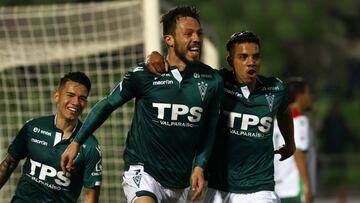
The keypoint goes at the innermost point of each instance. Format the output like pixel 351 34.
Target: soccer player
pixel 241 166
pixel 42 141
pixel 294 177
pixel 175 117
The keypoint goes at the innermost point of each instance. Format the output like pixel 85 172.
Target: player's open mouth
pixel 194 51
pixel 74 110
pixel 251 73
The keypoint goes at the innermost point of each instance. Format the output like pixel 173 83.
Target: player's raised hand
pixel 197 182
pixel 285 152
pixel 68 156
pixel 156 64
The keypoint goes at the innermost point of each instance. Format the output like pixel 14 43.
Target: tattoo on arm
pixel 7 166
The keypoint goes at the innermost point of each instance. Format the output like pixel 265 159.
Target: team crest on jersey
pixel 202 89
pixel 270 100
pixel 137 177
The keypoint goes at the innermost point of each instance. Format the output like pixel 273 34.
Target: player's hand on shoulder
pixel 156 63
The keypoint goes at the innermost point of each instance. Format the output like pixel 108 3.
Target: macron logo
pixel 165 82
pixel 41 142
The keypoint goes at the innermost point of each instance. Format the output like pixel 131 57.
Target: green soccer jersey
pixel 243 155
pixel 174 120
pixel 42 180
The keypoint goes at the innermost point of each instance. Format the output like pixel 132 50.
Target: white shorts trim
pixel 137 182
pixel 218 196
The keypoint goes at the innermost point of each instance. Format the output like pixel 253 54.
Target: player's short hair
pixel 78 77
pixel 241 37
pixel 169 18
pixel 294 86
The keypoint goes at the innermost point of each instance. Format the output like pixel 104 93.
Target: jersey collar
pixel 75 129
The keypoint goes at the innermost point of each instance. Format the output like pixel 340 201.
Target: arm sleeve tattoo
pixel 7 166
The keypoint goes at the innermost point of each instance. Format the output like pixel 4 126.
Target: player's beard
pixel 181 54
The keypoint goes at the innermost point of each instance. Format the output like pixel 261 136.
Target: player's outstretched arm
pixel 96 117
pixel 92 195
pixel 68 156
pixel 197 182
pixel 7 166
pixel 206 141
pixel 286 126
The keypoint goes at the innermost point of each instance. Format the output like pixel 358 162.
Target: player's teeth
pixel 72 109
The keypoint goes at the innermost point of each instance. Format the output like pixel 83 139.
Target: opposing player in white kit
pixel 295 177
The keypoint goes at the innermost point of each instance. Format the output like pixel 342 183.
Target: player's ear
pixel 56 95
pixel 230 60
pixel 169 40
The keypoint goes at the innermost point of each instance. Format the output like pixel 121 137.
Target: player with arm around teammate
pixel 179 111
pixel 42 141
pixel 241 166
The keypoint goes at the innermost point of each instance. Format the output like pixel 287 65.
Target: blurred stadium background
pixel 40 40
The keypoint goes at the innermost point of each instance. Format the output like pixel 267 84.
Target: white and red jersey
pixel 287 177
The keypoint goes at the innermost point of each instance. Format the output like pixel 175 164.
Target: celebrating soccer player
pixel 175 117
pixel 42 141
pixel 241 167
